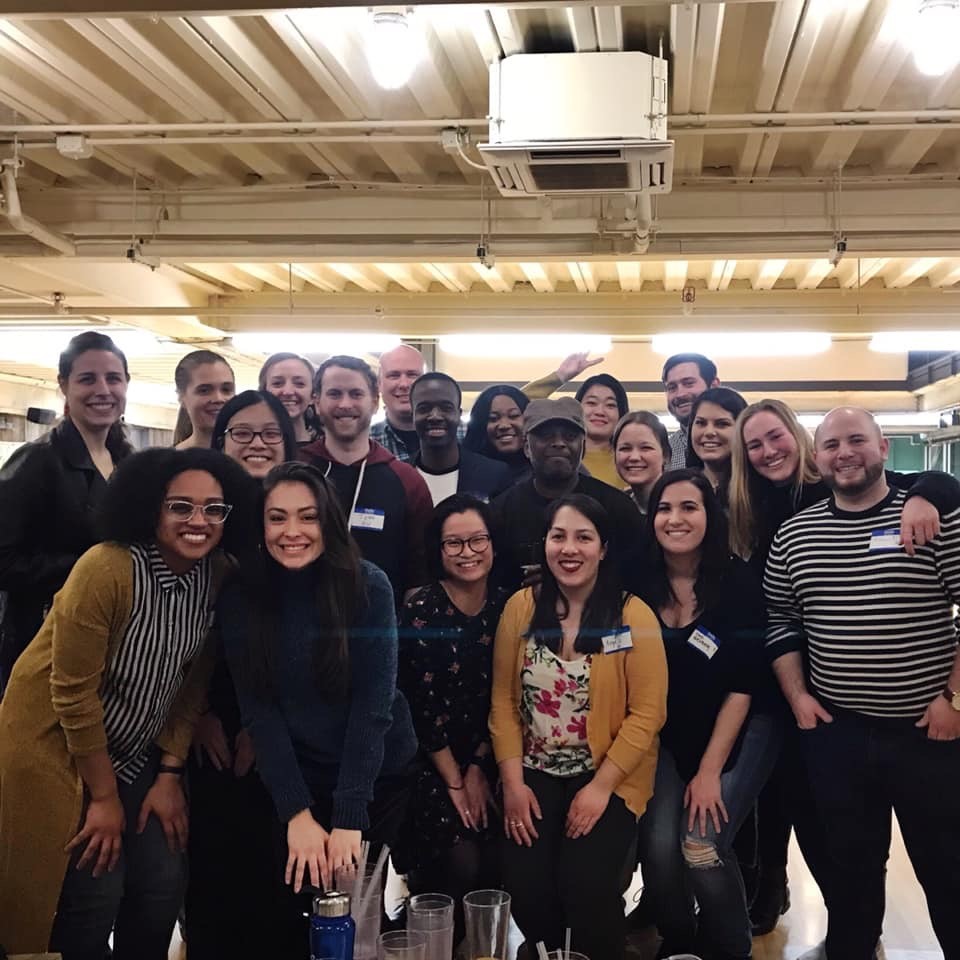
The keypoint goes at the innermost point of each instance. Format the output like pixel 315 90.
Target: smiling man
pixel 442 462
pixel 685 377
pixel 387 503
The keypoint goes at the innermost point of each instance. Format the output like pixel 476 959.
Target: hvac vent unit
pixel 579 123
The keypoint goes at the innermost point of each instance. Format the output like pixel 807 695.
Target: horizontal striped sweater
pixel 876 625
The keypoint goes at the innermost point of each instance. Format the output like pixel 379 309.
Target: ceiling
pixel 248 173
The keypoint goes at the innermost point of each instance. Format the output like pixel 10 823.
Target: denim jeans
pixel 138 900
pixel 860 771
pixel 721 929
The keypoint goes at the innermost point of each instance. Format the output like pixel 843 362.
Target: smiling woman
pixel 604 402
pixel 204 382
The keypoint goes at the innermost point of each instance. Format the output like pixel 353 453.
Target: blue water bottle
pixel 331 927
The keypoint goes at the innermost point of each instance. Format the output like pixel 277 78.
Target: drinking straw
pixel 361 868
pixel 374 884
pixel 566 944
pixel 542 951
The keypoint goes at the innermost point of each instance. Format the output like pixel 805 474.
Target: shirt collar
pixel 165 577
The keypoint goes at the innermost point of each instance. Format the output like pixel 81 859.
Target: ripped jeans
pixel 681 868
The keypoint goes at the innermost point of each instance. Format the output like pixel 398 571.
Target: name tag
pixel 619 640
pixel 367 518
pixel 704 641
pixel 885 541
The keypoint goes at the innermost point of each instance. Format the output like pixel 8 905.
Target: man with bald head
pixel 864 642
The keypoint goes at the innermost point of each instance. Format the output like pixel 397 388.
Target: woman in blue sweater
pixel 311 638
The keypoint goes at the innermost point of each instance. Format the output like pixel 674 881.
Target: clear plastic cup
pixel 486 914
pixel 432 914
pixel 402 945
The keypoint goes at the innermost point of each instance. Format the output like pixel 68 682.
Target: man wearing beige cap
pixel 554 446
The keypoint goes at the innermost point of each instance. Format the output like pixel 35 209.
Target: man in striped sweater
pixel 863 640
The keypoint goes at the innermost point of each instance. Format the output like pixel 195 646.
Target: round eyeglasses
pixel 453 546
pixel 186 510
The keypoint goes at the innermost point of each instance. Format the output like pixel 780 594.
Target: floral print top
pixel 555 703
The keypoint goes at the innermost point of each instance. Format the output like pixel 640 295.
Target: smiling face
pixel 436 413
pixel 291 525
pixel 211 386
pixel 256 456
pixel 771 447
pixel 711 434
pixel 475 560
pixel 345 403
pixel 680 521
pixel 505 425
pixel 398 369
pixel 683 385
pixel 850 452
pixel 573 550
pixel 182 543
pixel 291 382
pixel 639 456
pixel 96 390
pixel 600 413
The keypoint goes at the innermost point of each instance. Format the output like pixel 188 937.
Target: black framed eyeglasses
pixel 186 510
pixel 271 435
pixel 453 546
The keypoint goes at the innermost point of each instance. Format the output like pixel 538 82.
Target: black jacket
pixel 49 491
pixel 481 476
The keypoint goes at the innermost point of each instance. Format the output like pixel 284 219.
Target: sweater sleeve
pixel 86 613
pixel 747 619
pixel 277 761
pixel 544 387
pixel 784 621
pixel 941 489
pixel 373 687
pixel 26 486
pixel 506 726
pixel 419 512
pixel 646 669
pixel 947 554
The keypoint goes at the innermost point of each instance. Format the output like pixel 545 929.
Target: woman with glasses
pixel 446 664
pixel 97 718
pixel 311 638
pixel 227 796
pixel 50 489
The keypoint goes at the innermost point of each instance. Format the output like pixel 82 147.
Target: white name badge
pixel 367 518
pixel 617 641
pixel 704 641
pixel 885 540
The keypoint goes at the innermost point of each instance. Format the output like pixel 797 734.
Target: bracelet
pixel 449 787
pixel 169 768
pixel 477 761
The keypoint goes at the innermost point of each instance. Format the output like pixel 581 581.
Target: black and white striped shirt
pixel 168 620
pixel 878 627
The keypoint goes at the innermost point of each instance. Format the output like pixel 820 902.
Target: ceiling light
pixel 924 419
pixel 743 344
pixel 311 343
pixel 394 47
pixel 936 48
pixel 521 346
pixel 906 341
pixel 42 347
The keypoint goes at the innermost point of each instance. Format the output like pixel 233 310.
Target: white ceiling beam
pixel 768 273
pixel 675 274
pixel 355 275
pixel 721 273
pixel 225 273
pixel 609 23
pixel 901 273
pixel 706 56
pixel 405 275
pixel 576 275
pixel 484 33
pixel 589 276
pixel 813 274
pixel 492 277
pixel 583 30
pixel 946 274
pixel 509 30
pixel 459 43
pixel 629 275
pixel 537 275
pixel 861 272
pixel 278 276
pixel 434 82
pixel 447 275
pixel 320 277
pixel 683 39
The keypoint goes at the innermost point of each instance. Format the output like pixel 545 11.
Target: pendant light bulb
pixel 937 39
pixel 394 47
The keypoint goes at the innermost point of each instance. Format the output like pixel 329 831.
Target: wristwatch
pixel 953 698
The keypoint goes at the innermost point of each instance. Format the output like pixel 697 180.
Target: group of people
pixel 528 651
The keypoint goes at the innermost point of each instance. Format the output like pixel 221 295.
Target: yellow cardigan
pixel 628 697
pixel 52 712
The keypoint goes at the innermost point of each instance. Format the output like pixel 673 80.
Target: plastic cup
pixel 367 916
pixel 432 914
pixel 486 914
pixel 402 945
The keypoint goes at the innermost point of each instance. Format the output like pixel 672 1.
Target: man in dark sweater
pixel 386 501
pixel 879 704
pixel 446 467
pixel 554 445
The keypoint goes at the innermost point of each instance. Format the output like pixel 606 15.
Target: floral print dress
pixel 445 672
pixel 555 703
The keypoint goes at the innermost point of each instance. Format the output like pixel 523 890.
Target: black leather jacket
pixel 49 493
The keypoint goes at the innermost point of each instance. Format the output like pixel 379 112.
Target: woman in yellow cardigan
pixel 579 695
pixel 98 715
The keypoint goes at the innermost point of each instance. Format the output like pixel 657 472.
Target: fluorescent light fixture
pixel 42 346
pixel 905 341
pixel 281 341
pixel 919 420
pixel 147 393
pixel 394 47
pixel 743 344
pixel 521 345
pixel 936 40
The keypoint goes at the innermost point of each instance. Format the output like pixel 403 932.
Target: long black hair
pixel 603 611
pixel 130 510
pixel 250 398
pixel 714 550
pixel 612 384
pixel 477 439
pixel 726 399
pixel 334 581
pixel 458 503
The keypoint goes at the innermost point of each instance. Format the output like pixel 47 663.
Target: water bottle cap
pixel 332 904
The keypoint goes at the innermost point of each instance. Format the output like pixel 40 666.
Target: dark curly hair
pixel 130 511
pixel 458 503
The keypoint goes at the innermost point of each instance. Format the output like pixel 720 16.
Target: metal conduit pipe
pixel 21 222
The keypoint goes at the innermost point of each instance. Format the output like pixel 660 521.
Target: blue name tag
pixel 704 641
pixel 367 518
pixel 885 541
pixel 618 640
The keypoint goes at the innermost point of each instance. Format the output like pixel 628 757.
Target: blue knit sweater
pixel 303 742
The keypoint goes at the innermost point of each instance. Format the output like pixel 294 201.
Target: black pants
pixel 860 771
pixel 231 864
pixel 559 883
pixel 387 813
